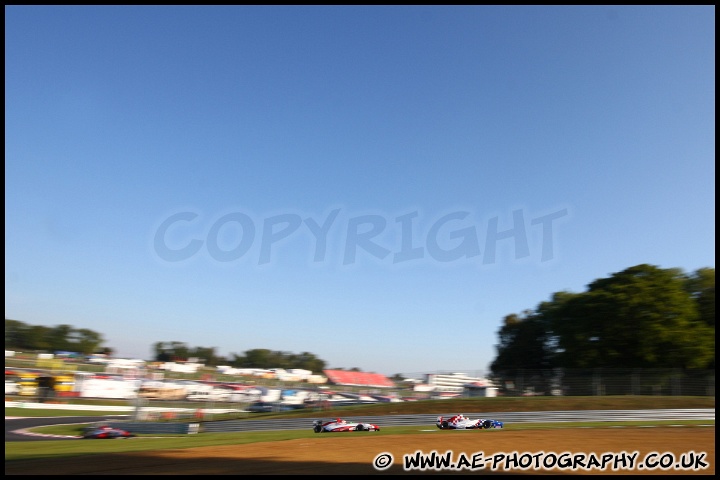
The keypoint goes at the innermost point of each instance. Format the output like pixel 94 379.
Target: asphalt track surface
pixel 15 426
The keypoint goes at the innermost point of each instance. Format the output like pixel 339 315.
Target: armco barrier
pixel 157 428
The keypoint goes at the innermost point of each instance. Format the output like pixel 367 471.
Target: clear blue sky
pixel 376 185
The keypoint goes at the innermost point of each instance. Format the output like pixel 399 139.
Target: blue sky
pixel 376 185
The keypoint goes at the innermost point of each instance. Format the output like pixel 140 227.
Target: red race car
pixel 340 425
pixel 106 431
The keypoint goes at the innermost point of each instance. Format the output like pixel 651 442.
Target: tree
pixel 36 337
pixel 308 361
pixel 170 351
pixel 59 338
pixel 86 341
pixel 14 333
pixel 523 344
pixel 256 358
pixel 701 287
pixel 51 339
pixel 106 351
pixel 264 358
pixel 206 355
pixel 641 317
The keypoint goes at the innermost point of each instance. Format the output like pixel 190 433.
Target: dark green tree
pixel 701 287
pixel 309 361
pixel 19 335
pixel 641 317
pixel 206 355
pixel 14 334
pixel 265 358
pixel 85 341
pixel 523 344
pixel 171 351
pixel 256 358
pixel 60 338
pixel 37 337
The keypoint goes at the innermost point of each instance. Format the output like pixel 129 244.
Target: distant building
pixel 459 384
pixel 358 379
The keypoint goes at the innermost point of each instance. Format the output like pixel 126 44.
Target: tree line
pixel 256 358
pixel 82 341
pixel 641 317
pixel 60 338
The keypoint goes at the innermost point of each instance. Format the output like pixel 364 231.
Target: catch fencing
pixel 604 381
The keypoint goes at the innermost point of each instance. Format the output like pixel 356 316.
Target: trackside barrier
pixel 157 428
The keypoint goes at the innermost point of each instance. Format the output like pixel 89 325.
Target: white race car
pixel 460 422
pixel 340 425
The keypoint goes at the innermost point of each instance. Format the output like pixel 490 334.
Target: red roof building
pixel 358 379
